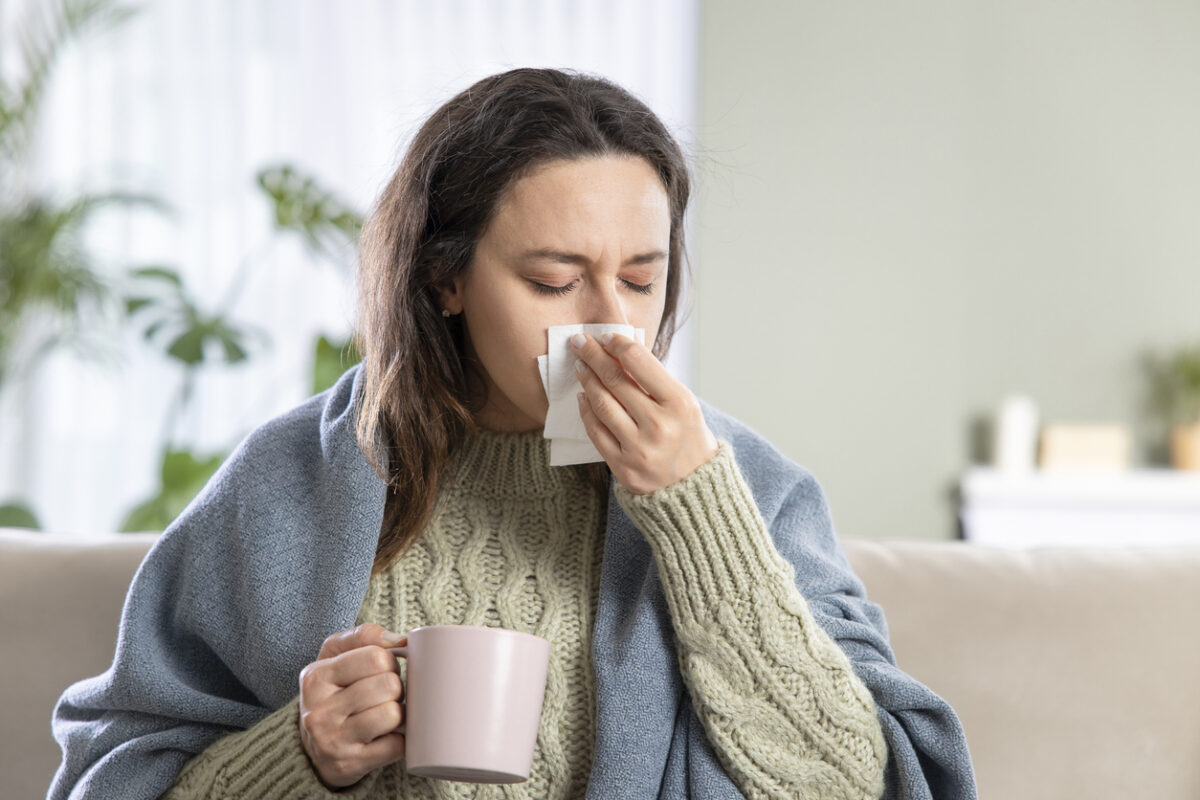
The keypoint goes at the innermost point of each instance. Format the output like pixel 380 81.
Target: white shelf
pixel 1058 508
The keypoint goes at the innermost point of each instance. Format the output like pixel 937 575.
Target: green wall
pixel 908 210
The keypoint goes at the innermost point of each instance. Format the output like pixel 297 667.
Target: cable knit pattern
pixel 515 543
pixel 778 698
pixel 512 543
pixel 266 761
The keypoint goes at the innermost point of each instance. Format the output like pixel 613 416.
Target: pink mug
pixel 473 701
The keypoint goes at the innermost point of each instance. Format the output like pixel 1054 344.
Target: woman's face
pixel 581 241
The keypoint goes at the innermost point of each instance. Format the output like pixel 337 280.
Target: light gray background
pixel 908 210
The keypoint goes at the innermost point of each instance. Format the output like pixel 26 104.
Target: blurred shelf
pixel 1059 508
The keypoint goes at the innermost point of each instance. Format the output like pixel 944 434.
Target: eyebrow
pixel 564 257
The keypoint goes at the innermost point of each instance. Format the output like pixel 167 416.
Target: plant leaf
pixel 42 35
pixel 158 273
pixel 331 360
pixel 229 338
pixel 301 205
pixel 183 474
pixel 147 516
pixel 135 304
pixel 18 515
pixel 188 347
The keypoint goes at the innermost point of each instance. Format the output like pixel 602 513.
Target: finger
pixel 619 383
pixel 383 750
pixel 349 668
pixel 607 408
pixel 605 442
pixel 366 634
pixel 374 722
pixel 642 366
pixel 370 692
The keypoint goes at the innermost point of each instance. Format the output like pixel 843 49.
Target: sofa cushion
pixel 1075 672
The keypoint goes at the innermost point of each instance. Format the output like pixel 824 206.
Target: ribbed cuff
pixel 708 537
pixel 267 762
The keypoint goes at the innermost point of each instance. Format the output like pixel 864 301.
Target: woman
pixel 708 636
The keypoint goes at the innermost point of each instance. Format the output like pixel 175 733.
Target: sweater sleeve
pixel 778 698
pixel 263 762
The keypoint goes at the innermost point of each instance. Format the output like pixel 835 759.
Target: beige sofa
pixel 1076 672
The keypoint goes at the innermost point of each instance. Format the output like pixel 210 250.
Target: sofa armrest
pixel 60 604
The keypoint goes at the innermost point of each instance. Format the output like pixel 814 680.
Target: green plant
pixel 196 338
pixel 45 271
pixel 18 515
pixel 303 207
pixel 1174 385
pixel 182 475
pixel 330 229
pixel 52 293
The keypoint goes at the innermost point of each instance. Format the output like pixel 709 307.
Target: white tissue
pixel 569 442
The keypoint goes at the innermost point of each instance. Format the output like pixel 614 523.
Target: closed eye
pixel 640 288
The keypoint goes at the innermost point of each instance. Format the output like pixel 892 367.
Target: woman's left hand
pixel 651 438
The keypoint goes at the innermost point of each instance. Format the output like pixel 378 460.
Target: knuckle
pixel 314 724
pixel 655 427
pixel 688 405
pixel 393 684
pixel 392 716
pixel 310 676
pixel 611 375
pixel 382 660
pixel 368 630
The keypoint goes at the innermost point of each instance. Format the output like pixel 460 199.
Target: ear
pixel 451 296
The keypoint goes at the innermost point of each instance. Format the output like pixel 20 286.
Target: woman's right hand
pixel 350 705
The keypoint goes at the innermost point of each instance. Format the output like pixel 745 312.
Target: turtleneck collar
pixel 502 464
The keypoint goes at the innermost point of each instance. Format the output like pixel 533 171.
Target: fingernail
pixel 578 340
pixel 393 639
pixel 580 367
pixel 606 338
pixel 579 397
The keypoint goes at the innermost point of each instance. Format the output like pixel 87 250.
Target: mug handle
pixel 401 652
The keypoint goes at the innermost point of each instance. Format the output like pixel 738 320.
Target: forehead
pixel 592 193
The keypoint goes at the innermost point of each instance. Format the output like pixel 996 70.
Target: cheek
pixel 508 342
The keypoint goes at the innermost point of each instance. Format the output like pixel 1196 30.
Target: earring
pixel 445 312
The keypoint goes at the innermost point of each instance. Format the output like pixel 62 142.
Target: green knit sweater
pixel 516 543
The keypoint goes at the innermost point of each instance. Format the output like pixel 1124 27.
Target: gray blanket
pixel 275 554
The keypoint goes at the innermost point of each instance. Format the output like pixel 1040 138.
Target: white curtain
pixel 187 101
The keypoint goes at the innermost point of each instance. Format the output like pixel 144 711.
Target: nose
pixel 605 305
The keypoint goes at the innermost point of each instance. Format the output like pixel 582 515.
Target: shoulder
pixel 282 525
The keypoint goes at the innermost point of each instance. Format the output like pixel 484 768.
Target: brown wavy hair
pixel 420 392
